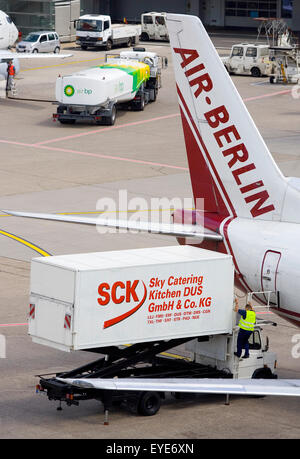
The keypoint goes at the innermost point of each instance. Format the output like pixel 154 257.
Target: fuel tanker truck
pixel 130 80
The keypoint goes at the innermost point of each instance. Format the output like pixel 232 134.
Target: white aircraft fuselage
pixel 8 31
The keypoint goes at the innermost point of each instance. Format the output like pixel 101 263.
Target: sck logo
pixel 120 292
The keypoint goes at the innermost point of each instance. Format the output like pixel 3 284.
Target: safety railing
pixel 268 296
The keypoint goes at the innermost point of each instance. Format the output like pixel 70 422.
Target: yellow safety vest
pixel 249 322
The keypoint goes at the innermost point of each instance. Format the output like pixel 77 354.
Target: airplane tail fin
pixel 230 164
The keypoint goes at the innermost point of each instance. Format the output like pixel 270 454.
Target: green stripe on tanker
pixel 139 72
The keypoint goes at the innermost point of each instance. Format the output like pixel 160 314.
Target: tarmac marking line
pixel 95 155
pixel 136 123
pixel 26 243
pixel 98 131
pixel 13 325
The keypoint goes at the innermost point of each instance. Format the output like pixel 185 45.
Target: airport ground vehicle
pixel 284 65
pixel 40 42
pixel 95 30
pixel 154 299
pixel 247 59
pixel 129 80
pixel 154 26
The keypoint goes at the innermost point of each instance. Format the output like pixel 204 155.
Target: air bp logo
pixel 69 90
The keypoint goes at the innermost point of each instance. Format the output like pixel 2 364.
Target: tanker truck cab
pixel 248 59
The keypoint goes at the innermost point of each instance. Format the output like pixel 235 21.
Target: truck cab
pixel 96 30
pixel 218 351
pixel 248 59
pixel 154 26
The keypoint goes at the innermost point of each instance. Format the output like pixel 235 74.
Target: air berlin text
pixel 226 133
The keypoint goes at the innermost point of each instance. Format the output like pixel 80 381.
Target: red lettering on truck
pixel 115 296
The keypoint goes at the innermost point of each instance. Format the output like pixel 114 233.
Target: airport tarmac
pixel 48 167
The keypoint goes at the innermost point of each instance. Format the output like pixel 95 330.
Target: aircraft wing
pixel 176 229
pixel 280 387
pixel 15 55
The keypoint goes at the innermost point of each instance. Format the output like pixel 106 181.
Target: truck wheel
pixel 109 44
pixel 110 120
pixel 262 373
pixel 255 72
pixel 144 36
pixel 272 79
pixel 140 104
pixel 149 403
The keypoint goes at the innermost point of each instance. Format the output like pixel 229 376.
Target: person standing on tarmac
pixel 246 324
pixel 11 71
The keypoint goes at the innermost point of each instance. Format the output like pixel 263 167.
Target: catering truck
pixel 130 80
pixel 96 30
pixel 132 306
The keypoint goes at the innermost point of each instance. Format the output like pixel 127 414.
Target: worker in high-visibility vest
pixel 246 324
pixel 11 71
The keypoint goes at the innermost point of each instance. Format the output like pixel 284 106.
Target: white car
pixel 40 42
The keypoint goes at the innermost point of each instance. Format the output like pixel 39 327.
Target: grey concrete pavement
pixel 47 167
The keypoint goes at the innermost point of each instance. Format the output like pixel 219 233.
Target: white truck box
pixel 112 298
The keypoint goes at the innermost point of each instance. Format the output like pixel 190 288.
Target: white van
pixel 40 42
pixel 154 26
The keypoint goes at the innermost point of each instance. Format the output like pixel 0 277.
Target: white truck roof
pixel 129 258
pixel 251 44
pixel 99 17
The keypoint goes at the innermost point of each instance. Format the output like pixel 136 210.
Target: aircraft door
pixel 269 273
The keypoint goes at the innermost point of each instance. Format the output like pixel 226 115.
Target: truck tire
pixel 139 105
pixel 255 72
pixel 144 36
pixel 272 80
pixel 109 44
pixel 111 118
pixel 262 373
pixel 149 403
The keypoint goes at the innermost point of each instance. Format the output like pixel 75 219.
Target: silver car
pixel 40 42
